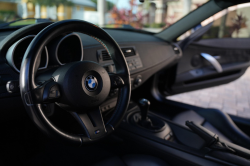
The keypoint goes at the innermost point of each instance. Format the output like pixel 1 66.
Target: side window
pixel 233 23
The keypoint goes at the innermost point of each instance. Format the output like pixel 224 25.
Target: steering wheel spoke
pixel 47 92
pixel 91 123
pixel 116 81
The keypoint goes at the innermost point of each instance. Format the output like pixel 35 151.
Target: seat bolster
pixel 222 122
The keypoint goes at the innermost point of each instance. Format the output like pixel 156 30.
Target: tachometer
pixel 69 49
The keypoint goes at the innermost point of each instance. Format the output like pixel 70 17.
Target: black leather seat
pixel 217 122
pixel 132 160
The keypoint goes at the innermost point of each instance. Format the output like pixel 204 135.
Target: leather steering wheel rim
pixel 30 64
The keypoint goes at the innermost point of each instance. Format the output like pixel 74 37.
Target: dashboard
pixel 145 54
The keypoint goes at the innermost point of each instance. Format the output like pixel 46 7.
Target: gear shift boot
pixel 151 123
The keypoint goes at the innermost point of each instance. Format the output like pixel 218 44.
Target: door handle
pixel 213 62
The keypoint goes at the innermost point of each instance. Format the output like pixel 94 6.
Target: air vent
pixel 128 52
pixel 176 49
pixel 105 56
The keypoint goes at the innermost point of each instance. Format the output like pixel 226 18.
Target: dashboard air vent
pixel 105 56
pixel 176 49
pixel 128 52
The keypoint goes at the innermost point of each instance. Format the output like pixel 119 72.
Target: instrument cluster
pixel 59 51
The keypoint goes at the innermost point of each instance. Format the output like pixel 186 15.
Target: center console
pixel 142 120
pixel 158 133
pixel 149 129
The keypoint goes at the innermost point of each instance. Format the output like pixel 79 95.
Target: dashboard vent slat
pixel 105 56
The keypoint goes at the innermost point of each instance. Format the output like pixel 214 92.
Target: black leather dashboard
pixel 154 53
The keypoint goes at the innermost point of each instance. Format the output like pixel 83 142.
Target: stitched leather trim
pixel 100 41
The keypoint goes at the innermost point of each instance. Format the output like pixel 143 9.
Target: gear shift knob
pixel 144 105
pixel 149 122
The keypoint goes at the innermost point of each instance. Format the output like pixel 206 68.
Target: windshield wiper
pixel 37 20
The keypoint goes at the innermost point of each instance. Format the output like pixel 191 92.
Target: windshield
pixel 152 15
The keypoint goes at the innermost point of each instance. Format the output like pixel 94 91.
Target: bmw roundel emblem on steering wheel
pixel 91 83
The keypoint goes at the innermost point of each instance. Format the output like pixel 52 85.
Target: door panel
pixel 226 41
pixel 195 72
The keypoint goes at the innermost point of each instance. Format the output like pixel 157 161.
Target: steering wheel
pixel 77 87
